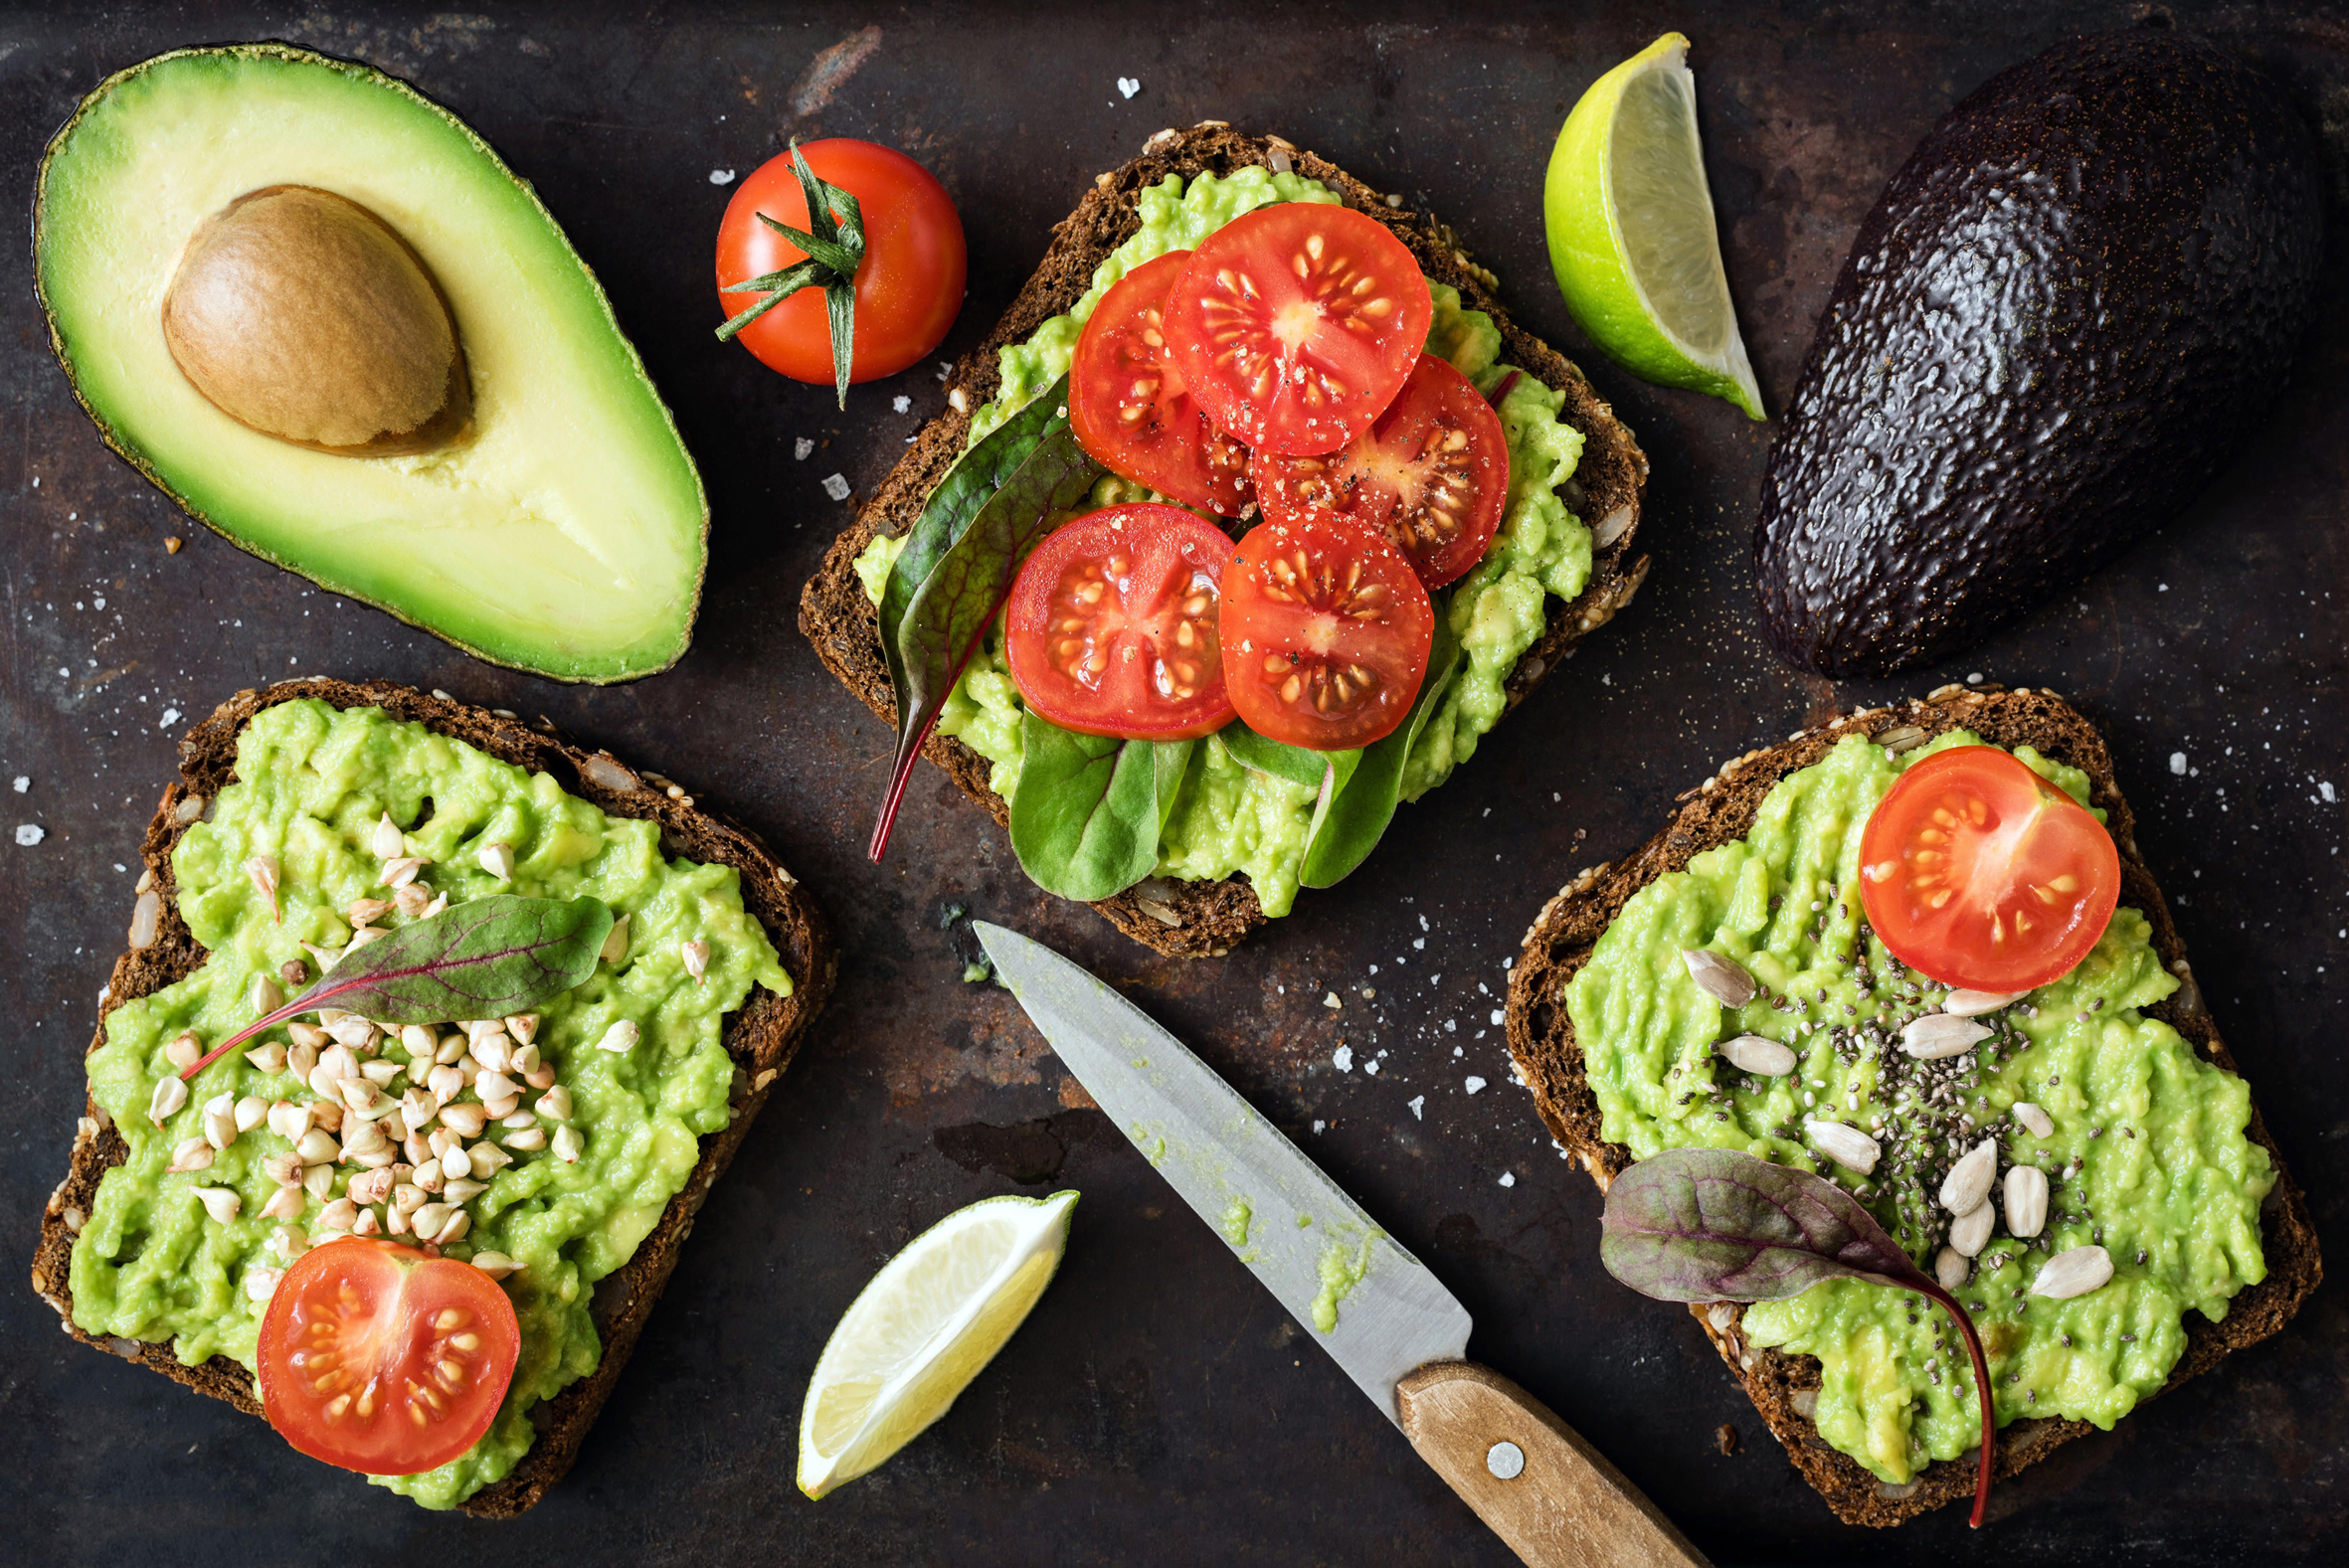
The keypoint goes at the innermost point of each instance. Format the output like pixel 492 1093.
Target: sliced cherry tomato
pixel 1129 407
pixel 377 1358
pixel 909 286
pixel 1432 471
pixel 1111 627
pixel 1295 325
pixel 1326 631
pixel 1977 872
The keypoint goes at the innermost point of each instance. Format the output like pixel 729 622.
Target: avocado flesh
pixel 564 534
pixel 2061 320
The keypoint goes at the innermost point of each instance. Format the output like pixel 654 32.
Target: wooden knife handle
pixel 1551 1496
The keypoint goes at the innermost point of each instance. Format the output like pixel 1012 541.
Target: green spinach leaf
pixel 1325 771
pixel 1356 819
pixel 1088 809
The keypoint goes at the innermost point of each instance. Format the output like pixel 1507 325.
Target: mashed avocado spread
pixel 313 782
pixel 2146 1156
pixel 1230 818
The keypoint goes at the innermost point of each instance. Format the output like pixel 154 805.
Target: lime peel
pixel 925 1327
pixel 1630 230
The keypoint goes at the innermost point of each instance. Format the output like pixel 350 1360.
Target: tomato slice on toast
pixel 1130 408
pixel 1977 872
pixel 1326 631
pixel 1295 325
pixel 1112 626
pixel 379 1359
pixel 1432 471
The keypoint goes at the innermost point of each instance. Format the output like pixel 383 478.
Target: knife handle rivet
pixel 1506 1460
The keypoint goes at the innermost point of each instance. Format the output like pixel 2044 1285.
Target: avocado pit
pixel 304 315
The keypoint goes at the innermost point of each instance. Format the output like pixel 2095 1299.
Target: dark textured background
pixel 1159 1407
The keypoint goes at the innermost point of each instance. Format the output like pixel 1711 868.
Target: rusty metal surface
pixel 1159 1407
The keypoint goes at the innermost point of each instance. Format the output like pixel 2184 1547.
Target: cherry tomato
pixel 378 1358
pixel 1111 627
pixel 1977 872
pixel 909 286
pixel 1432 471
pixel 1295 325
pixel 1326 631
pixel 1129 407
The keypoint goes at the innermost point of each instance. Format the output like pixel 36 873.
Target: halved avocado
pixel 563 531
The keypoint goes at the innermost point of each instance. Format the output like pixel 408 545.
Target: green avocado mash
pixel 2147 1156
pixel 313 782
pixel 1230 818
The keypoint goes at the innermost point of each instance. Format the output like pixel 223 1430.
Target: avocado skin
pixel 2062 319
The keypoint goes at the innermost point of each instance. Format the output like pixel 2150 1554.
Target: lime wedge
pixel 1631 232
pixel 925 1326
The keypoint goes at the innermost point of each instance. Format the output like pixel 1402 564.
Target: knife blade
pixel 1378 1312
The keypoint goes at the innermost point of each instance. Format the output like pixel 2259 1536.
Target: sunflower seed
pixel 1939 1034
pixel 1846 1146
pixel 2074 1273
pixel 615 946
pixel 398 873
pixel 1967 1003
pixel 362 911
pixel 1969 1233
pixel 1951 1267
pixel 262 870
pixel 2027 1200
pixel 620 1038
pixel 498 860
pixel 1968 1182
pixel 2035 1120
pixel 696 954
pixel 1755 1053
pixel 496 1265
pixel 1723 979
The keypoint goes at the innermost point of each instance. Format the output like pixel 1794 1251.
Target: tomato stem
pixel 833 242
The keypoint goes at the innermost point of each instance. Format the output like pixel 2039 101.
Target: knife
pixel 1384 1318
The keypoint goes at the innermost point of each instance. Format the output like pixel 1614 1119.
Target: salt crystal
pixel 1127 87
pixel 1475 1084
pixel 721 176
pixel 802 447
pixel 836 487
pixel 1418 1108
pixel 29 834
pixel 1343 1058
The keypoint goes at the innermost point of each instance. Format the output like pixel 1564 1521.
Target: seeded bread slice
pixel 1784 1388
pixel 1193 919
pixel 760 1036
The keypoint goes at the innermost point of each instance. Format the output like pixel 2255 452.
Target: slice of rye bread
pixel 1785 1387
pixel 761 1035
pixel 1194 919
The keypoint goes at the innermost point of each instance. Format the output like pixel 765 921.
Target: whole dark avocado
pixel 2062 319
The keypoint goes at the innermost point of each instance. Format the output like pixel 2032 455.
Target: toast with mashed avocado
pixel 2108 1088
pixel 1562 564
pixel 288 799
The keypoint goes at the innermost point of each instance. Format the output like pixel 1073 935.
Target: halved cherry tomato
pixel 1128 405
pixel 377 1358
pixel 1977 872
pixel 1111 627
pixel 1432 471
pixel 909 286
pixel 1326 631
pixel 1295 325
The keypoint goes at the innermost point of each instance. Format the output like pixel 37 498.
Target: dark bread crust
pixel 760 1036
pixel 1541 1039
pixel 1194 919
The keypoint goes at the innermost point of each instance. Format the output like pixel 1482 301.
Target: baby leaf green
pixel 1356 819
pixel 485 959
pixel 1719 1225
pixel 1088 809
